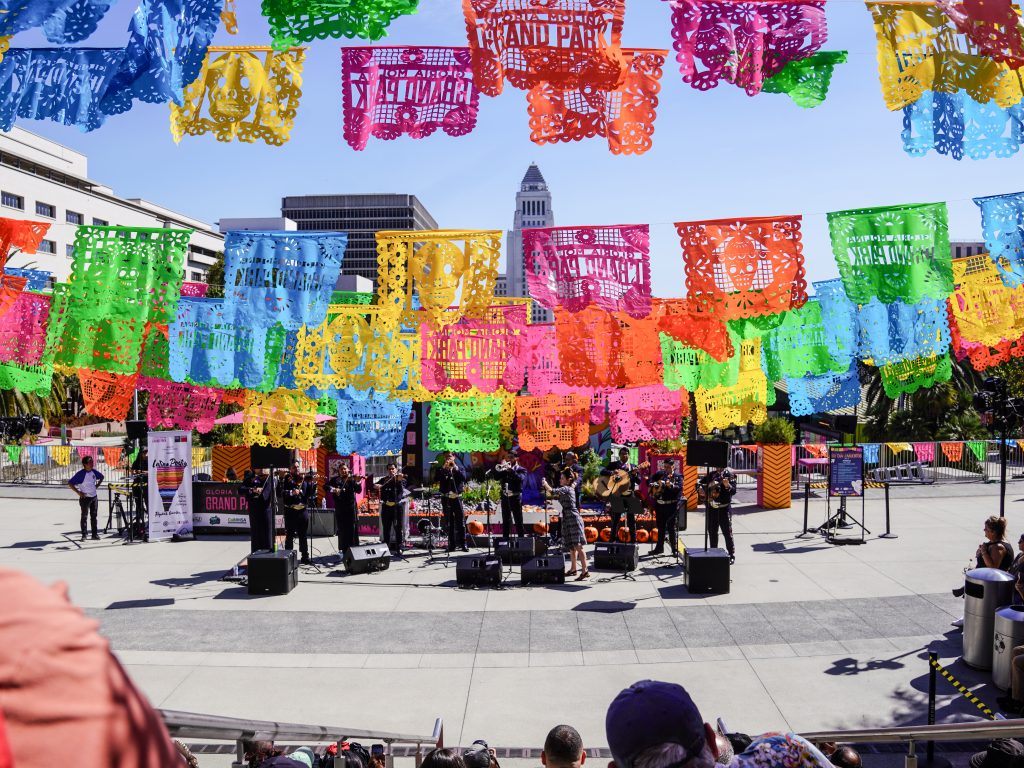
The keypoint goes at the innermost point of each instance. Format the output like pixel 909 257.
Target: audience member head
pixel 995 525
pixel 304 755
pixel 653 724
pixel 257 752
pixel 477 755
pixel 563 748
pixel 87 463
pixel 845 756
pixel 443 758
pixel 571 458
pixel 1000 753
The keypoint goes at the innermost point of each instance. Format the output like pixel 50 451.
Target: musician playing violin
pixel 666 487
pixel 393 495
pixel 624 499
pixel 343 488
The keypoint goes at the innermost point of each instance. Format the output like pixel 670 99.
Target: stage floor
pixel 811 635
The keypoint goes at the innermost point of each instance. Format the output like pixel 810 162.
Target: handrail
pixel 976 731
pixel 199 726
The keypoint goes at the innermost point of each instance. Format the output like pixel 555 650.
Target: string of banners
pixel 288 350
pixel 952 68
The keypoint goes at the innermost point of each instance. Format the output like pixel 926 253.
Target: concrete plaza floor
pixel 811 636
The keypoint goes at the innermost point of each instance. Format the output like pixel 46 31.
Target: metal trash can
pixel 1009 633
pixel 985 591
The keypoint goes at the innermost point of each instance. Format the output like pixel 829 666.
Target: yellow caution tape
pixel 963 689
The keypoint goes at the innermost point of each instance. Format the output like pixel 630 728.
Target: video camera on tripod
pixel 13 428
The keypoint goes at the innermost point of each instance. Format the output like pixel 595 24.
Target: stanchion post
pixel 888 533
pixel 807 500
pixel 933 659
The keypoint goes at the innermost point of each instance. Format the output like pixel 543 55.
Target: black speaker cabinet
pixel 707 453
pixel 367 557
pixel 478 571
pixel 136 430
pixel 273 573
pixel 613 556
pixel 518 549
pixel 544 570
pixel 707 571
pixel 263 457
pixel 322 523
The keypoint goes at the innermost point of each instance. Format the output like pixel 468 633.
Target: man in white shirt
pixel 86 482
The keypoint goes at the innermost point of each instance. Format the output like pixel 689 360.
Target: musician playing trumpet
pixel 393 497
pixel 343 487
pixel 666 487
pixel 451 480
pixel 512 476
pixel 625 499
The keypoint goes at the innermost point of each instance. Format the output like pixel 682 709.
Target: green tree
pixel 215 277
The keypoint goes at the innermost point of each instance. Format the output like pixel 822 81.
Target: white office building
pixel 42 180
pixel 533 209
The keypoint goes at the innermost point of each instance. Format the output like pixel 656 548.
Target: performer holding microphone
pixel 512 478
pixel 716 489
pixel 343 488
pixel 452 479
pixel 392 496
pixel 666 487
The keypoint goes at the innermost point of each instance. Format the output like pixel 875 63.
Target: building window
pixel 9 200
pixel 47 246
pixel 198 277
pixel 46 210
pixel 74 218
pixel 100 222
pixel 69 250
pixel 958 252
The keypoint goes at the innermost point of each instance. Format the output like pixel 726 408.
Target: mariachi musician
pixel 343 487
pixel 624 498
pixel 666 488
pixel 393 494
pixel 257 490
pixel 296 515
pixel 452 479
pixel 512 478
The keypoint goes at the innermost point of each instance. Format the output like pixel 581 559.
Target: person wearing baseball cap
pixel 654 724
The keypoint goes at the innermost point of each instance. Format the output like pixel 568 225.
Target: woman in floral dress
pixel 572 523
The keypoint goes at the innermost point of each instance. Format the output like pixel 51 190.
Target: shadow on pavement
pixel 153 602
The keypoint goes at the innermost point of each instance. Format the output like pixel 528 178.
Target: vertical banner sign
pixel 170 484
pixel 846 471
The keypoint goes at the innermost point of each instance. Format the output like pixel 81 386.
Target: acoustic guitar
pixel 617 483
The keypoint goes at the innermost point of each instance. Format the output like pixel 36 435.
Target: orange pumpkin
pixel 624 535
pixel 475 528
pixel 654 535
pixel 540 528
pixel 590 532
pixel 606 534
pixel 642 535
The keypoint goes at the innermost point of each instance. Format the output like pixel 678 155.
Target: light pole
pixel 1000 412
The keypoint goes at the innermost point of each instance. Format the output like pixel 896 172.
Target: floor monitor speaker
pixel 613 556
pixel 366 558
pixel 544 570
pixel 518 549
pixel 478 571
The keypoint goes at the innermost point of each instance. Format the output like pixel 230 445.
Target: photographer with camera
pixel 716 489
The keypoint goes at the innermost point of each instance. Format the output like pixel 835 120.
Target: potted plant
pixel 774 482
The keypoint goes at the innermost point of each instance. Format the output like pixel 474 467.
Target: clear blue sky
pixel 716 154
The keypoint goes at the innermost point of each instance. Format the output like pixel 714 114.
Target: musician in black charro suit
pixel 296 514
pixel 344 488
pixel 666 486
pixel 512 477
pixel 452 479
pixel 627 501
pixel 393 495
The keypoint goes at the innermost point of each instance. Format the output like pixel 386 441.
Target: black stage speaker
pixel 544 570
pixel 846 424
pixel 518 549
pixel 273 573
pixel 478 571
pixel 613 556
pixel 707 571
pixel 367 558
pixel 322 523
pixel 707 453
pixel 263 457
pixel 136 430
